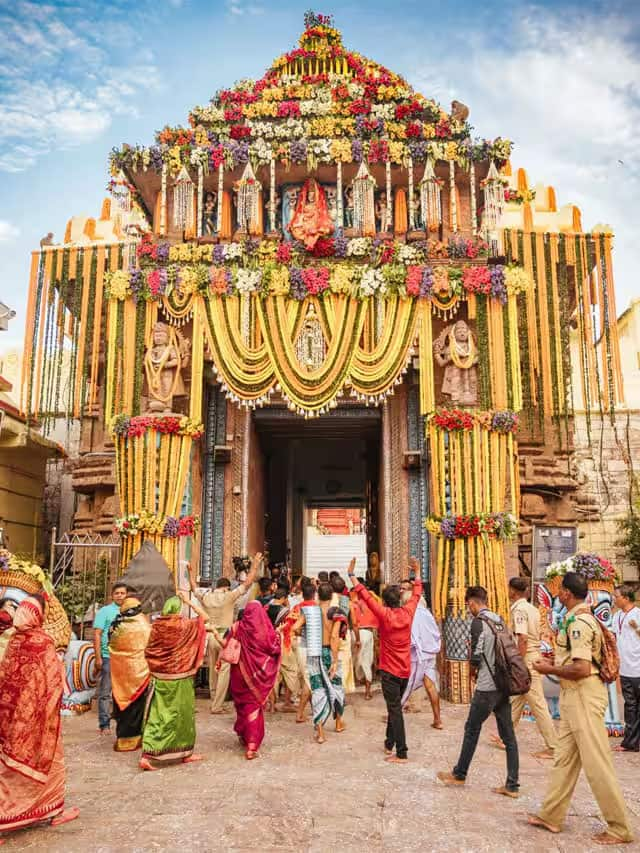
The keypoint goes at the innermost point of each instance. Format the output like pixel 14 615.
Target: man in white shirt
pixel 626 627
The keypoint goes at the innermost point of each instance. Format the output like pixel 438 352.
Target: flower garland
pixel 10 563
pixel 268 268
pixel 590 566
pixel 146 522
pixel 456 420
pixel 309 103
pixel 444 286
pixel 502 526
pixel 135 427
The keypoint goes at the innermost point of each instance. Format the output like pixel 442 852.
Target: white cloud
pixel 61 82
pixel 238 8
pixel 8 231
pixel 567 91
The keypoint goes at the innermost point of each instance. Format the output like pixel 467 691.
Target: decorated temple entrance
pixel 322 480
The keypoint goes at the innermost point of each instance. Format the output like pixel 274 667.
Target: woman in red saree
pixel 311 219
pixel 31 757
pixel 253 677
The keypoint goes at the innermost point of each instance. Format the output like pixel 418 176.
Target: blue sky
pixel 78 77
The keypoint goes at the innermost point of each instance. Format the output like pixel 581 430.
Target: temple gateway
pixel 325 298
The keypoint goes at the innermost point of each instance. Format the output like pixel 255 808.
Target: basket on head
pixel 56 623
pixel 20 580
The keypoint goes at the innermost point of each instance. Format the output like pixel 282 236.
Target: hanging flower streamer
pixel 248 190
pixel 431 198
pixel 474 481
pixel 183 195
pixel 493 186
pixel 363 202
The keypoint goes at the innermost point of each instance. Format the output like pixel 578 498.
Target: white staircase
pixel 334 553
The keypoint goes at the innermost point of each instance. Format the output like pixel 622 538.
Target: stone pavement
pixel 304 797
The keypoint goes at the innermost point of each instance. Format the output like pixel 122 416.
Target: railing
pixel 82 568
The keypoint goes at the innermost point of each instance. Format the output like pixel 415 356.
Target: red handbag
pixel 231 651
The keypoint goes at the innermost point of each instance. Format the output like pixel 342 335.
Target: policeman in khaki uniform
pixel 582 736
pixel 525 622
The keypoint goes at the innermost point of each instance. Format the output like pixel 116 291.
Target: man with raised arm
pixel 394 630
pixel 219 605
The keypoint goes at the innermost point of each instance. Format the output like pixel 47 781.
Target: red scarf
pixel 30 696
pixel 176 647
pixel 259 650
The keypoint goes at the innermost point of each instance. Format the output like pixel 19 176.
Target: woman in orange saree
pixel 128 637
pixel 31 756
pixel 311 219
pixel 253 677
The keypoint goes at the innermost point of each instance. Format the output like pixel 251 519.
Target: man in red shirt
pixel 394 629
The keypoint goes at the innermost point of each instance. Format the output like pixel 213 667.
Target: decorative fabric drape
pixel 251 371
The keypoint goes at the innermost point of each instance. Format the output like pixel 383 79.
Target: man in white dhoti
pixel 425 645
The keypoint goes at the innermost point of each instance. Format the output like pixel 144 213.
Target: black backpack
pixel 511 674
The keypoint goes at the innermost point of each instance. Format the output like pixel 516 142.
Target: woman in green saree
pixel 174 653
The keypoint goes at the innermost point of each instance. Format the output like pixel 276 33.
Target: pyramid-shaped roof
pixel 318 103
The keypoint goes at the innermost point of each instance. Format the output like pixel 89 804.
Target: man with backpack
pixel 584 662
pixel 492 692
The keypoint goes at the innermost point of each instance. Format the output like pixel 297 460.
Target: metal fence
pixel 82 568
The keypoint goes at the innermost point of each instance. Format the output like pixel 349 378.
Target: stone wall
pixel 604 474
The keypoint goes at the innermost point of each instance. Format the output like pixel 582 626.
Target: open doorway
pixel 321 488
pixel 334 534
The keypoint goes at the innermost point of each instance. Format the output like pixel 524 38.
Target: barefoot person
pixel 130 675
pixel 219 604
pixel 174 653
pixel 394 628
pixel 253 677
pixel 525 623
pixel 324 626
pixel 31 757
pixel 425 645
pixel 308 591
pixel 487 699
pixel 103 620
pixel 626 626
pixel 367 624
pixel 582 736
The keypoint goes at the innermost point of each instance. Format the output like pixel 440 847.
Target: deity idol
pixel 311 220
pixel 163 364
pixel 332 204
pixel 456 351
pixel 210 214
pixel 348 207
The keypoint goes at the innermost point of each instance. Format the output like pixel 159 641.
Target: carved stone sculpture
pixel 163 363
pixel 455 349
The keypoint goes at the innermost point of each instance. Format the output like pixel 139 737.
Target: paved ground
pixel 304 797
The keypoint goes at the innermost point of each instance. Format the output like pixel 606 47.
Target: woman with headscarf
pixel 174 654
pixel 253 677
pixel 128 637
pixel 31 756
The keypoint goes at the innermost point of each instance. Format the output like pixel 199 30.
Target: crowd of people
pixel 273 646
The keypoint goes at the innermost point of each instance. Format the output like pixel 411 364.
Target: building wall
pixel 256 495
pixel 605 474
pixel 607 470
pixel 22 481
